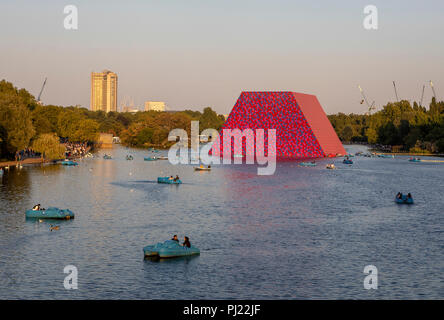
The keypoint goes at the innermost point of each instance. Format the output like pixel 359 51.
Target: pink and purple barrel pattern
pixel 302 127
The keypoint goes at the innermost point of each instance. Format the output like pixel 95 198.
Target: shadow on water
pixel 133 184
pixel 15 189
pixel 157 259
pixel 49 167
pixel 15 178
pixel 139 184
pixel 145 181
pixel 47 221
pixel 155 182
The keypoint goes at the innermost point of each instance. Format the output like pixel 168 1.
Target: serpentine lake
pixel 302 233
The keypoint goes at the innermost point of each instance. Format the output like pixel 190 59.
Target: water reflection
pixel 14 190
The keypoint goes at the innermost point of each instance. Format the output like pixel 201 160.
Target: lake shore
pixel 26 161
pixel 416 154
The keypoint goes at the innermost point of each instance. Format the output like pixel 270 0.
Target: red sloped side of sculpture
pixel 319 123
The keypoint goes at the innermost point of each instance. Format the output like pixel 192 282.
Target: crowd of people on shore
pixel 78 149
pixel 26 154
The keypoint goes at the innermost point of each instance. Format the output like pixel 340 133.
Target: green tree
pixel 110 125
pixel 67 123
pixel 86 131
pixel 45 118
pixel 74 125
pixel 144 136
pixel 41 124
pixel 209 119
pixel 347 133
pixel 372 135
pixel 413 136
pixel 15 118
pixel 440 145
pixel 49 146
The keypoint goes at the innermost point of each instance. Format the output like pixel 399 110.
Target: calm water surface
pixel 299 234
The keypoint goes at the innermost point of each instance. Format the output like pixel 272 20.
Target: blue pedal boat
pixel 150 158
pixel 50 213
pixel 169 249
pixel 107 157
pixel 69 163
pixel 167 180
pixel 415 160
pixel 308 164
pixel 382 155
pixel 347 161
pixel 404 200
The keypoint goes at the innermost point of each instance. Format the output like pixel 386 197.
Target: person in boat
pixel 209 167
pixel 186 242
pixel 176 178
pixel 175 238
pixel 409 195
pixel 171 178
pixel 399 195
pixel 36 207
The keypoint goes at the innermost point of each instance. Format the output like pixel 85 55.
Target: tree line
pixel 26 124
pixel 404 127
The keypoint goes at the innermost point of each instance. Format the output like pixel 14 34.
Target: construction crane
pixel 370 106
pixel 40 94
pixel 422 95
pixel 433 89
pixel 396 92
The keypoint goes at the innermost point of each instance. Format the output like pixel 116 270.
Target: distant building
pixel 154 106
pixel 106 140
pixel 104 91
pixel 131 109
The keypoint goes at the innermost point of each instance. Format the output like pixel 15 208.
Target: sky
pixel 198 53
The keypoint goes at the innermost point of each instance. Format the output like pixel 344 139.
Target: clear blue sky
pixel 197 53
